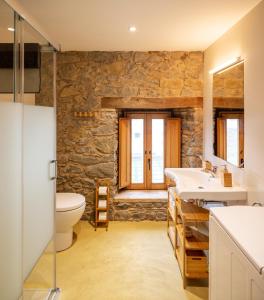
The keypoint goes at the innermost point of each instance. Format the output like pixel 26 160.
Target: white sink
pixel 193 183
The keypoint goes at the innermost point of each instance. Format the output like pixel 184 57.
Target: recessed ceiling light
pixel 132 28
pixel 11 29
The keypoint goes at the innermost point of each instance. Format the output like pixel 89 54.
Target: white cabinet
pixel 232 276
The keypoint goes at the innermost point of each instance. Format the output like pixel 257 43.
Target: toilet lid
pixel 69 201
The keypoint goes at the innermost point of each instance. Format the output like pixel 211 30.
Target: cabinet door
pixel 219 264
pixel 256 291
pixel 239 276
pixel 232 276
pixel 124 152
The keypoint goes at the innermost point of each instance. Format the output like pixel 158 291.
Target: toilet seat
pixel 69 201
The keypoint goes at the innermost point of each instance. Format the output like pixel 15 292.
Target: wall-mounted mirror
pixel 228 114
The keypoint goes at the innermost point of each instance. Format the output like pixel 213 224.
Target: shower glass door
pixel 27 148
pixel 11 164
pixel 39 154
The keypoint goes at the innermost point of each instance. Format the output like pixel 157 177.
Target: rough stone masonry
pixel 88 147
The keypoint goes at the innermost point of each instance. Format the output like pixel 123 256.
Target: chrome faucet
pixel 213 172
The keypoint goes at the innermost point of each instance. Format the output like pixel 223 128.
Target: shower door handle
pixel 149 163
pixel 53 163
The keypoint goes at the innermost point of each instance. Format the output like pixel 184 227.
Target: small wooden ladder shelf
pixel 187 241
pixel 102 197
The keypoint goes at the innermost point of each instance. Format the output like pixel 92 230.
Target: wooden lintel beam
pixel 229 102
pixel 151 103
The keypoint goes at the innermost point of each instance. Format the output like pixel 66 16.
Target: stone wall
pixel 139 211
pixel 45 96
pixel 87 147
pixel 229 83
pixel 192 136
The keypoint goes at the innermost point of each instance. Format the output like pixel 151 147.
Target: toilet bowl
pixel 69 210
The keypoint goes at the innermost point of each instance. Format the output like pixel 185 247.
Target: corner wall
pixel 245 39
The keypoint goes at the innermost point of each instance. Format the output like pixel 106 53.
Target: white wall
pixel 245 39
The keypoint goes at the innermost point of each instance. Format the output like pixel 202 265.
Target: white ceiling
pixel 161 24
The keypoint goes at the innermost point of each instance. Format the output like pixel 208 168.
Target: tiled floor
pixel 142 195
pixel 132 261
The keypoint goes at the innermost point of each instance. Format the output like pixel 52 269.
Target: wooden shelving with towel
pixel 187 241
pixel 102 196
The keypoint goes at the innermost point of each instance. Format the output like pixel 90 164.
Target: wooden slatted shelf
pixel 171 234
pixel 187 241
pixel 191 213
pixel 198 240
pixel 179 257
pixel 172 213
pixel 197 275
pixel 99 209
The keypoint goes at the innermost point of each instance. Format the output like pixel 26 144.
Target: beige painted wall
pixel 245 39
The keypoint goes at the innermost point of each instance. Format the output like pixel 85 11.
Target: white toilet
pixel 69 210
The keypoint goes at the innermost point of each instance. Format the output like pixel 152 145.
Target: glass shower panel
pixel 38 68
pixel 11 165
pixel 10 201
pixel 7 37
pixel 27 152
pixel 38 152
pixel 39 129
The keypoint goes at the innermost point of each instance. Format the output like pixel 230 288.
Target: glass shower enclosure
pixel 27 160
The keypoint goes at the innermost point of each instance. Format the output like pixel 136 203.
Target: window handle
pixel 149 164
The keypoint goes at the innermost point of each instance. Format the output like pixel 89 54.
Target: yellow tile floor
pixel 132 261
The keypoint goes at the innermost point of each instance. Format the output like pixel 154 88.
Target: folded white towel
pixel 102 203
pixel 103 190
pixel 102 216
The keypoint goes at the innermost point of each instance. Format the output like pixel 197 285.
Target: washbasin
pixel 194 183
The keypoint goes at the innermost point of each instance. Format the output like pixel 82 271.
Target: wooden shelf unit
pixel 99 210
pixel 187 241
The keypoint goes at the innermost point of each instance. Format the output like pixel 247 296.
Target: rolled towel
pixel 102 216
pixel 102 204
pixel 103 190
